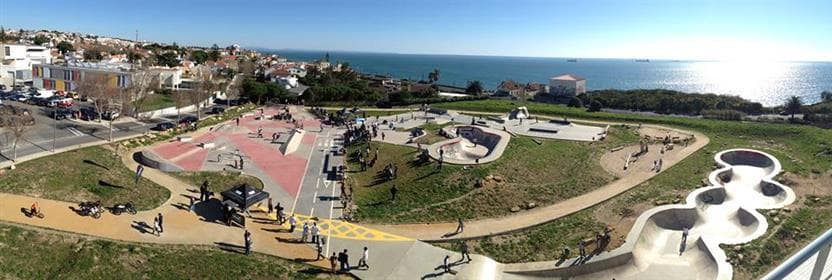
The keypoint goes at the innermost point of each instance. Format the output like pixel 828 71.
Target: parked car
pixel 110 115
pixel 61 102
pixel 60 114
pixel 20 98
pixel 188 120
pixel 165 126
pixel 87 114
pixel 217 110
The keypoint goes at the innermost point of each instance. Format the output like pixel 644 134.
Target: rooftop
pixel 569 77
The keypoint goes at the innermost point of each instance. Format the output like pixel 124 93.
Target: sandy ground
pixel 613 162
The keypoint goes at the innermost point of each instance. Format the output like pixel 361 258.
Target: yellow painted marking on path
pixel 340 229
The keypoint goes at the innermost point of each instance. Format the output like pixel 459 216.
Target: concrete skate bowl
pixel 749 173
pixel 473 145
pixel 724 213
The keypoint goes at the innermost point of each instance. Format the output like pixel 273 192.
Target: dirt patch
pixel 620 220
pixel 613 160
pixel 658 133
pixel 813 184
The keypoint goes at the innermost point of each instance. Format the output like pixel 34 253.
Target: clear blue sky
pixel 725 29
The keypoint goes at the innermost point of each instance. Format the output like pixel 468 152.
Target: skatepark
pixel 294 169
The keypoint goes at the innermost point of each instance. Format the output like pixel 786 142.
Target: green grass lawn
pixel 155 102
pixel 799 148
pixel 218 181
pixel 33 254
pixel 431 133
pixel 543 174
pixel 87 174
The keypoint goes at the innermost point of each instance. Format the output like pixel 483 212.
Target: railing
pixel 809 263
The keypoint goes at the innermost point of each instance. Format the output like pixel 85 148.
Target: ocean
pixel 769 83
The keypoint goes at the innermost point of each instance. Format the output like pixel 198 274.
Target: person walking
pixel 247 239
pixel 393 192
pixel 241 162
pixel 333 260
pixel 305 232
pixel 156 228
pixel 320 247
pixel 447 264
pixel 315 231
pixel 203 191
pixel 161 224
pixel 582 249
pixel 460 226
pixel 362 262
pixel 292 223
pixel 270 206
pixel 465 254
pixel 344 259
pixel 190 203
pixel 238 121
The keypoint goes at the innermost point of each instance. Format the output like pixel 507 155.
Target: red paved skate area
pixel 285 170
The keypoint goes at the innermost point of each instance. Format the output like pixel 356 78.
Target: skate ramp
pixel 724 213
pixel 472 145
pixel 293 142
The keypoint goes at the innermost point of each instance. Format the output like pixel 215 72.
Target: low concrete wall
pixel 150 160
pixel 173 111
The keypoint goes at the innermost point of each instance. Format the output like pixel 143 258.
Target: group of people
pixel 341 262
pixel 602 240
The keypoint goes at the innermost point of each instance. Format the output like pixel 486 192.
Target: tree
pixel 2 34
pixel 826 96
pixel 181 99
pixel 253 90
pixel 595 105
pixel 214 55
pixel 206 87
pixel 246 67
pixel 168 59
pixel 18 122
pixel 40 40
pixel 215 47
pixel 474 88
pixel 133 57
pixel 575 102
pixel 142 84
pixel 199 56
pixel 433 76
pixel 65 47
pixel 105 95
pixel 93 54
pixel 793 105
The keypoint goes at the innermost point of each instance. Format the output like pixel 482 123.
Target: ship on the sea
pixel 642 60
pixel 572 60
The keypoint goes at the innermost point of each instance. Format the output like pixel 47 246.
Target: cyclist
pixel 34 210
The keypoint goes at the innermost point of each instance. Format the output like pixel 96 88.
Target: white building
pixel 16 62
pixel 567 85
pixel 170 78
pixel 297 72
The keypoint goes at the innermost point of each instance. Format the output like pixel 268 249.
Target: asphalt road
pixel 48 134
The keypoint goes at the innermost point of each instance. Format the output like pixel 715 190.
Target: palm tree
pixel 474 88
pixel 793 105
pixel 433 76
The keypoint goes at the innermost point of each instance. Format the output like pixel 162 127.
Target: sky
pixel 655 29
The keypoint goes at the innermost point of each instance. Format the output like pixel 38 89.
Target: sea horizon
pixel 769 83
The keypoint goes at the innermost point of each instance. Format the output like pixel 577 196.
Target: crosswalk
pixel 75 131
